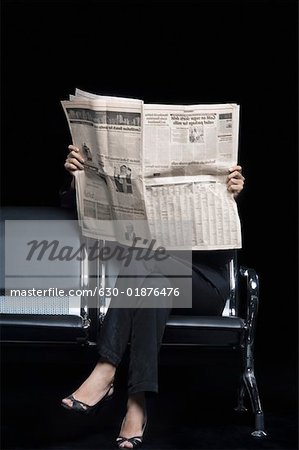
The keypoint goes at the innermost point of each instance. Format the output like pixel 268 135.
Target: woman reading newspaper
pixel 144 328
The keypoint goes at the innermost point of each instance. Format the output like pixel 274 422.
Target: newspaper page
pixel 188 151
pixel 161 165
pixel 110 190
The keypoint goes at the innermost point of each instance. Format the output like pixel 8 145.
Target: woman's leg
pixel 112 343
pixel 114 334
pixel 147 332
pixel 143 327
pixel 148 325
pixel 206 299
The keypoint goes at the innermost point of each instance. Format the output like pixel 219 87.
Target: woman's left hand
pixel 235 180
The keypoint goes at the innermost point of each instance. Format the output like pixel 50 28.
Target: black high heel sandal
pixel 136 441
pixel 82 407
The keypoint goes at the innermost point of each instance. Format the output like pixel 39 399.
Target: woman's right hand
pixel 74 160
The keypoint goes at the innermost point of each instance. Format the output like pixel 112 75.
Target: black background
pixel 166 52
pixel 163 52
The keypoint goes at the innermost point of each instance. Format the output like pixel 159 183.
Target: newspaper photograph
pixel 155 171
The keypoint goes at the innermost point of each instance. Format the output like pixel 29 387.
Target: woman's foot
pixel 134 422
pixel 94 388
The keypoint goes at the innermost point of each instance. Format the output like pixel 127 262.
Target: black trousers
pixel 144 327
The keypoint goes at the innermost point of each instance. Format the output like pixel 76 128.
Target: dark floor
pixel 194 409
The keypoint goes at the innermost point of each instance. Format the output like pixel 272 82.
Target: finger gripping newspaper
pixel 155 171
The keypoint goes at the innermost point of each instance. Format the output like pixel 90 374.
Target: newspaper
pixel 155 171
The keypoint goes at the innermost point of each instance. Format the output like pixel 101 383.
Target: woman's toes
pixel 67 402
pixel 127 444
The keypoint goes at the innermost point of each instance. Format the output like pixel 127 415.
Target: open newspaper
pixel 155 171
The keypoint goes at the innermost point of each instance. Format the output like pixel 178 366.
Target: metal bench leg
pixel 248 343
pixel 251 385
pixel 241 396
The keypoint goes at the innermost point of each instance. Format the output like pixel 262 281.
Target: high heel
pixel 82 407
pixel 135 441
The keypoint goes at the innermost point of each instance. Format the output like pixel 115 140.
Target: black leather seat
pixel 42 328
pixel 204 331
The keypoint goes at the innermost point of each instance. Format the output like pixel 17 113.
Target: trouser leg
pixel 116 328
pixel 206 300
pixel 143 327
pixel 115 334
pixel 148 325
pixel 147 332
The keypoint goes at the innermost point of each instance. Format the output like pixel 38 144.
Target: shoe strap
pixel 135 440
pixel 78 405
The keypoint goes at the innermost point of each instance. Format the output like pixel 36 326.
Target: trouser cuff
pixel 144 386
pixel 108 356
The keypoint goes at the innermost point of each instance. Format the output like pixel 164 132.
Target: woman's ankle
pixel 136 403
pixel 106 370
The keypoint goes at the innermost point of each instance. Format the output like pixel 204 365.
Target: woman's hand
pixel 74 160
pixel 235 180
